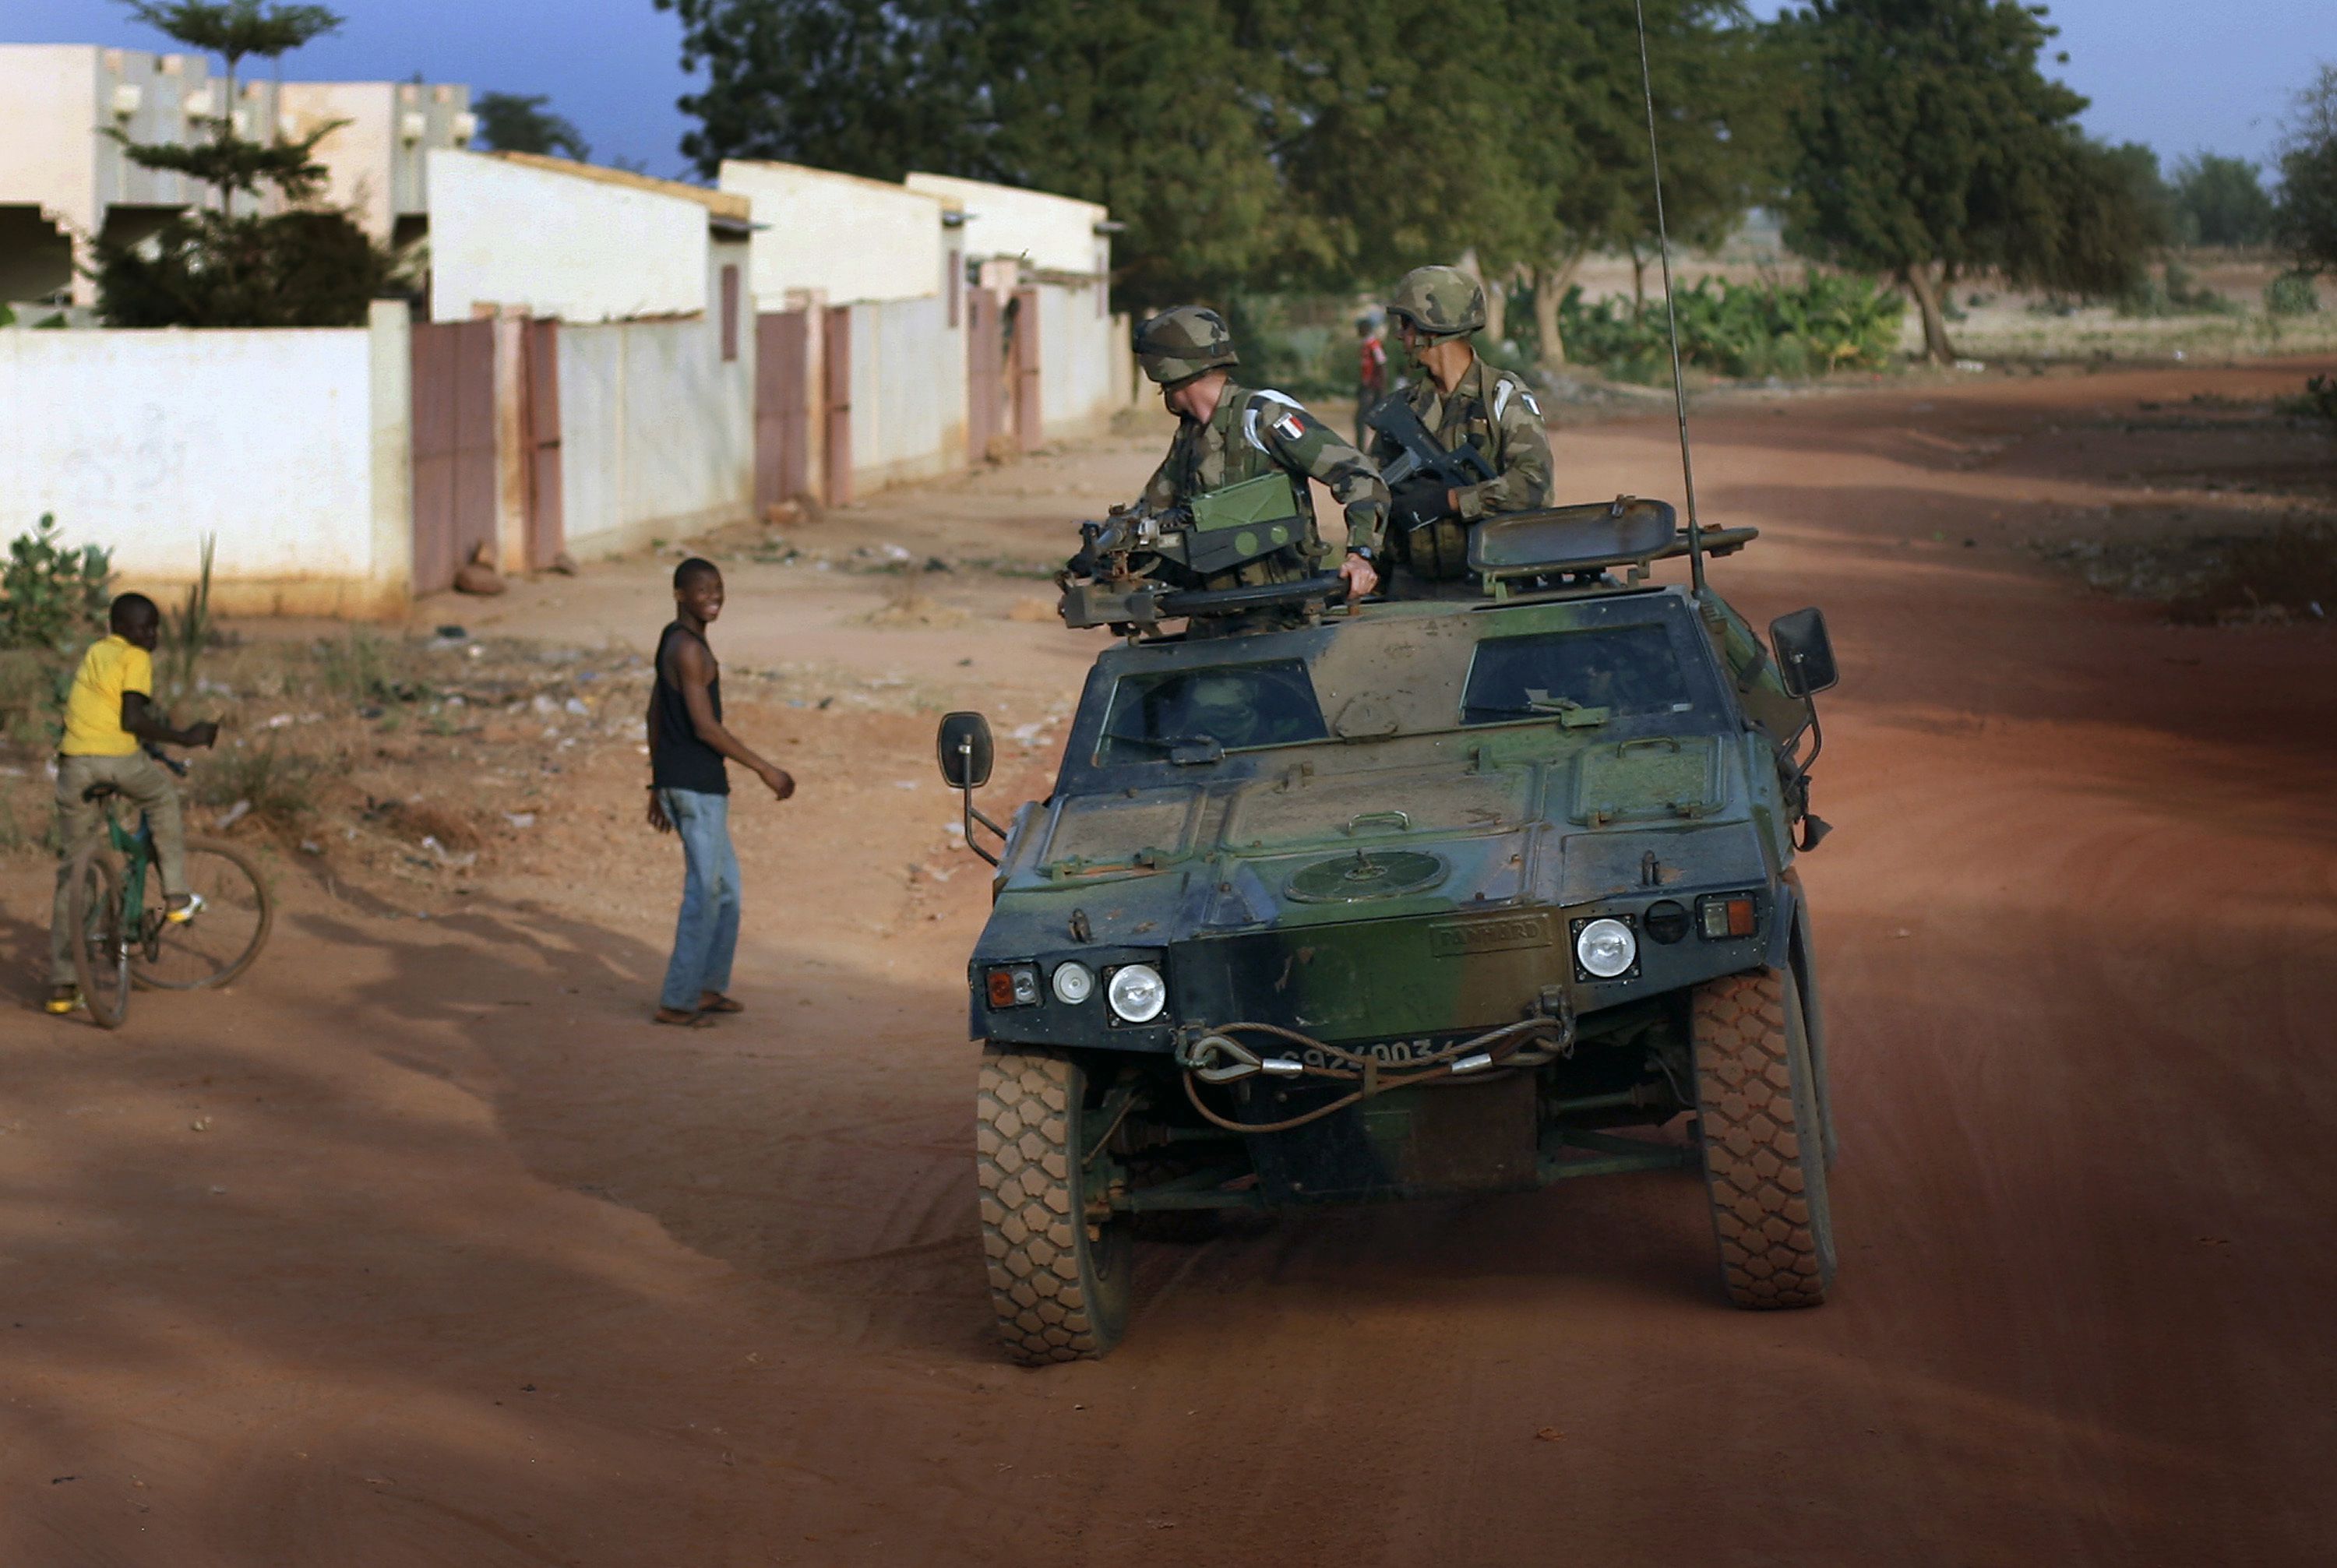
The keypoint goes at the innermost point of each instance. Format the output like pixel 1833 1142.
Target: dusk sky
pixel 2173 73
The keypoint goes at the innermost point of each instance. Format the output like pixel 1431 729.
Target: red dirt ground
pixel 468 1265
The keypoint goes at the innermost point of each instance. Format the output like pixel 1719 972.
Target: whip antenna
pixel 1671 317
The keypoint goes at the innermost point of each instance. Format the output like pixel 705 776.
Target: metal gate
pixel 836 354
pixel 547 528
pixel 782 409
pixel 984 355
pixel 1029 427
pixel 454 447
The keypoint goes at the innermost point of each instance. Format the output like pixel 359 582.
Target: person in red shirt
pixel 1371 370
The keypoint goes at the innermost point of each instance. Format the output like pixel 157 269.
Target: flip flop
pixel 695 1020
pixel 722 1004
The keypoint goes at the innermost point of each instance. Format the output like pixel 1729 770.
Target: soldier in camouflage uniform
pixel 1227 434
pixel 1460 399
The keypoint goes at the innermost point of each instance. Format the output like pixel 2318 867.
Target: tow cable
pixel 1218 1057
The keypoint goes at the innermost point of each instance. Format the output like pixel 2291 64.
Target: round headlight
pixel 1073 984
pixel 1137 993
pixel 1605 948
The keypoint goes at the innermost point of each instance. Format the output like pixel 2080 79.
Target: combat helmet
pixel 1182 342
pixel 1440 301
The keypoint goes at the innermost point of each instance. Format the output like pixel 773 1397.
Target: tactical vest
pixel 1440 552
pixel 1245 458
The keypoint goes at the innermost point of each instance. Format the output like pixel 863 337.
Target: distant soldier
pixel 1462 401
pixel 1227 434
pixel 1371 368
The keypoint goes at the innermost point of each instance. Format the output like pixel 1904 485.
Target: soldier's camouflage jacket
pixel 1255 433
pixel 1494 411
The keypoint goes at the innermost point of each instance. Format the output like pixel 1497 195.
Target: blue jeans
pixel 706 934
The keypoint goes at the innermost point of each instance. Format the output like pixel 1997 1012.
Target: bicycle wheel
pixel 101 944
pixel 216 945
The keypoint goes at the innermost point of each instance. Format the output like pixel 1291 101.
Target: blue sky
pixel 2174 73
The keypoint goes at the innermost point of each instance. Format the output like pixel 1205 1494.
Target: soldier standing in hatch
pixel 1226 433
pixel 1461 400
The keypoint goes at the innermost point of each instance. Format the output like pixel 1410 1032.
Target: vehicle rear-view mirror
pixel 1804 656
pixel 965 751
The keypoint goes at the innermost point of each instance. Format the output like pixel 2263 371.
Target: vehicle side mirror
pixel 965 747
pixel 1804 656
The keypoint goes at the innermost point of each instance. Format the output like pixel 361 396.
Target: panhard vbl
pixel 1462 895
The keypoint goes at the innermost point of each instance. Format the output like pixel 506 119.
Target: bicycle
pixel 118 912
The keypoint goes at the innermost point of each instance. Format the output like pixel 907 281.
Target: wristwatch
pixel 1365 551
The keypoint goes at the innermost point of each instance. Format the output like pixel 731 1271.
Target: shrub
pixel 2290 294
pixel 1828 322
pixel 52 596
pixel 2175 292
pixel 280 785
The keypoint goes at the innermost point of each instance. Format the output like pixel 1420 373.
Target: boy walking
pixel 690 795
pixel 109 714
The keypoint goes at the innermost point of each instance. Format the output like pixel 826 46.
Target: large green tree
pixel 524 123
pixel 1928 144
pixel 2307 214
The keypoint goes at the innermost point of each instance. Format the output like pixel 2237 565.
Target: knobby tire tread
pixel 1769 1210
pixel 1049 1305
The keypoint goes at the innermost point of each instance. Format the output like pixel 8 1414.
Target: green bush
pixel 2290 294
pixel 1826 323
pixel 52 596
pixel 2175 292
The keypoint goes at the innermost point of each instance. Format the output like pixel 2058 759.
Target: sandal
pixel 721 1004
pixel 674 1018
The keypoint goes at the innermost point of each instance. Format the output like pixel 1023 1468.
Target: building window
pixel 730 313
pixel 954 283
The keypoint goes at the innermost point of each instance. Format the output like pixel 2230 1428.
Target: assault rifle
pixel 1423 474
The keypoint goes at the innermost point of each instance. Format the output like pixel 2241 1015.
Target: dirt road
pixel 420 1246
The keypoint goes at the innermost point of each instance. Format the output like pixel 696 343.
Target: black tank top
pixel 681 760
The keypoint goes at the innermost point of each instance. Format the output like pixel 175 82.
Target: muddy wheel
pixel 1763 1160
pixel 1059 1264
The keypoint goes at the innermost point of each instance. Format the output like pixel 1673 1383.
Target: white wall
pixel 1053 233
pixel 133 440
pixel 1079 386
pixel 839 235
pixel 555 244
pixel 657 430
pixel 908 393
pixel 358 155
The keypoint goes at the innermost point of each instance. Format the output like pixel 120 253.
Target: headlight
pixel 1137 993
pixel 1606 947
pixel 1074 984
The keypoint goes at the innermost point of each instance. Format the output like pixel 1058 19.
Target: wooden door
pixel 547 529
pixel 836 350
pixel 782 409
pixel 1029 426
pixel 454 401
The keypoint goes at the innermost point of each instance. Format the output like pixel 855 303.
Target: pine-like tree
pixel 228 263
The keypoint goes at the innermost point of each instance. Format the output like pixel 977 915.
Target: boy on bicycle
pixel 110 716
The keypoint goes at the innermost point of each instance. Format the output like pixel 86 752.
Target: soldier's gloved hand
pixel 1420 501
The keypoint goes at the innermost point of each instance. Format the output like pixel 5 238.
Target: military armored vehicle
pixel 1336 905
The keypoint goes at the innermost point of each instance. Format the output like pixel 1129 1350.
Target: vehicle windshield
pixel 1240 707
pixel 1618 668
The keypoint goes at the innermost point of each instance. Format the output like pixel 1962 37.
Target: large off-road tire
pixel 1813 1023
pixel 1764 1165
pixel 1059 1273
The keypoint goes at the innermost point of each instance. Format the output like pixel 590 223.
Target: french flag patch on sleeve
pixel 1290 426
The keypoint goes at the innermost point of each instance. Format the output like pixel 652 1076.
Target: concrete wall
pixel 505 234
pixel 657 430
pixel 1050 233
pixel 908 393
pixel 302 477
pixel 839 236
pixel 1080 355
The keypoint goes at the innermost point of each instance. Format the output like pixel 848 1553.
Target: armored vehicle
pixel 1337 905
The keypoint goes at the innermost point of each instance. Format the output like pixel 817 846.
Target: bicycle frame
pixel 137 852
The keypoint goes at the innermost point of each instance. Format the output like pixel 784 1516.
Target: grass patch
pixel 2287 574
pixel 282 785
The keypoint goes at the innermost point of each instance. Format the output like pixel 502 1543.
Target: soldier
pixel 1461 400
pixel 1227 434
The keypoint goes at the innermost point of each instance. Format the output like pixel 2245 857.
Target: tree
pixel 2306 217
pixel 519 123
pixel 219 267
pixel 1927 144
pixel 2220 200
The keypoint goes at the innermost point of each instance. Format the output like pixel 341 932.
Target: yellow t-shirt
pixel 93 710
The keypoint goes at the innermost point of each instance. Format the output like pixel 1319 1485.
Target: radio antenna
pixel 1671 316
